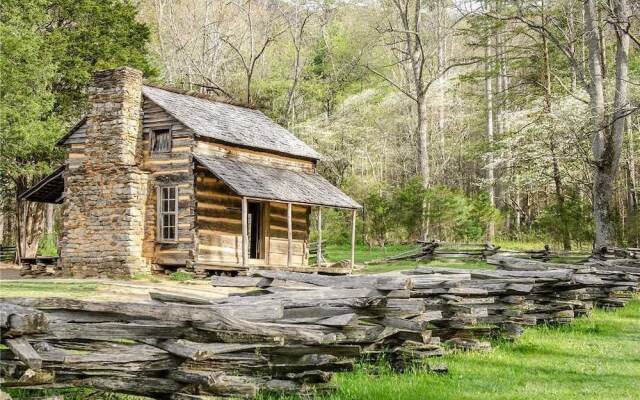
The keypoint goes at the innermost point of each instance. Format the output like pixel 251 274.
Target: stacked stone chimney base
pixel 104 224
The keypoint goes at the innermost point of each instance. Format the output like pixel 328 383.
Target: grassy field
pixel 364 254
pixel 594 358
pixel 29 288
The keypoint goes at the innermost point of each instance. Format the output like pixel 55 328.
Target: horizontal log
pixel 352 281
pixel 168 312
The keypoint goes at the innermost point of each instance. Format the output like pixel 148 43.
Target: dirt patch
pixel 9 271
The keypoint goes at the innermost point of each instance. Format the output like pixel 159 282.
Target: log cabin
pixel 158 178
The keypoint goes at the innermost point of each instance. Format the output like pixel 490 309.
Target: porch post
pixel 319 249
pixel 353 236
pixel 289 234
pixel 245 238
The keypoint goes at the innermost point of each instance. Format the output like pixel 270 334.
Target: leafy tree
pixel 378 209
pixel 28 129
pixel 89 35
pixel 49 50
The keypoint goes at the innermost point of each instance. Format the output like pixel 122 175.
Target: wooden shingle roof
pixel 229 124
pixel 271 183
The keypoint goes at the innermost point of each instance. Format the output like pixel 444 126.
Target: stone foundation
pixel 103 226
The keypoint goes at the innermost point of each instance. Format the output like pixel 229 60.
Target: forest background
pixel 459 120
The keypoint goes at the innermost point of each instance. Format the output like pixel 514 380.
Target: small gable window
pixel 168 213
pixel 161 141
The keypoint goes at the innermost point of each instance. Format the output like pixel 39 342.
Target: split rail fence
pixel 289 332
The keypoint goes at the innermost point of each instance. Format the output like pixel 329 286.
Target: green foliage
pixel 379 209
pixel 450 215
pixel 408 202
pixel 632 229
pixel 336 227
pixel 48 246
pixel 90 35
pixel 27 127
pixel 575 216
pixel 333 71
pixel 181 276
pixel 49 50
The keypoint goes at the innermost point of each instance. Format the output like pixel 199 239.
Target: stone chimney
pixel 103 222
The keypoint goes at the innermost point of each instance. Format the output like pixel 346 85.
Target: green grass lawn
pixel 594 358
pixel 364 254
pixel 29 288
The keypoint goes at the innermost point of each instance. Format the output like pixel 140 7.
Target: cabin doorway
pixel 254 221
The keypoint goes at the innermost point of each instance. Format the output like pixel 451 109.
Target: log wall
pixel 279 234
pixel 75 147
pixel 172 168
pixel 209 147
pixel 218 221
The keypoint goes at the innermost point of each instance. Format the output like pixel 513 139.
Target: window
pixel 167 213
pixel 161 141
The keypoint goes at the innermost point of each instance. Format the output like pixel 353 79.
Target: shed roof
pixel 49 190
pixel 229 123
pixel 270 183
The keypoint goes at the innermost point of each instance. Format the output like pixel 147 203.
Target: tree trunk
pixel 2 226
pixel 30 228
pixel 518 210
pixel 50 218
pixel 422 136
pixel 572 38
pixel 442 54
pixel 557 178
pixel 488 88
pixel 248 87
pixel 602 180
pixel 631 170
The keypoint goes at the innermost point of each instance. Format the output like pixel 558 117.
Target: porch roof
pixel 271 183
pixel 49 190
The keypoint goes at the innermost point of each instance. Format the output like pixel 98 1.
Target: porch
pixel 258 216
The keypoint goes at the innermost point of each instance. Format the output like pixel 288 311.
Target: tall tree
pixel 49 50
pixel 412 44
pixel 257 33
pixel 608 128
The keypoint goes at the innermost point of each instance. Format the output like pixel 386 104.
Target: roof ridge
pixel 199 95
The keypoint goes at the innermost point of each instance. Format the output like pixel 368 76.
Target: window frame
pixel 153 139
pixel 160 214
